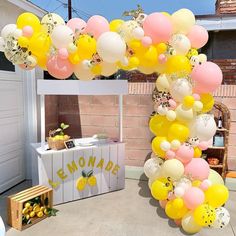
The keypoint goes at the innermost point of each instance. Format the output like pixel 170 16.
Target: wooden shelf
pixel 223 130
pixel 216 166
pixel 213 147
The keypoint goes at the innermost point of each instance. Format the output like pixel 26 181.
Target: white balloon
pixel 180 88
pixel 108 68
pixel 171 115
pixel 62 36
pixel 222 218
pixel 202 58
pixel 152 167
pixel 165 145
pixel 150 182
pixel 175 144
pixel 2 44
pixel 17 33
pixel 8 30
pixel 124 61
pixel 138 33
pixel 82 73
pixel 86 64
pixel 203 127
pixel 179 191
pixel 162 110
pixel 162 83
pixel 180 43
pixel 184 114
pixel 111 47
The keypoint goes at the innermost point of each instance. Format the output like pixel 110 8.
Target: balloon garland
pixel 190 192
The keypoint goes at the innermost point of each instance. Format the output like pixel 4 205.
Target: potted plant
pixel 57 137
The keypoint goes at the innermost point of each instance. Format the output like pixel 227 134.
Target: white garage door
pixel 12 169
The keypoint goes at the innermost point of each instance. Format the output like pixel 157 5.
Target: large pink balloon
pixel 77 24
pixel 198 36
pixel 59 68
pixel 197 169
pixel 158 27
pixel 185 153
pixel 97 25
pixel 193 197
pixel 207 77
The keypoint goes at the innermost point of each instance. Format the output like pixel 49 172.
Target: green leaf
pixel 62 125
pixel 58 130
pixel 65 127
pixel 90 173
pixel 84 174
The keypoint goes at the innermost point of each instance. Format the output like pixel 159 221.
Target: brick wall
pixel 226 6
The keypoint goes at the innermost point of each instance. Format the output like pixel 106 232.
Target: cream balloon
pixel 62 36
pixel 172 168
pixel 126 30
pixel 108 68
pixel 152 167
pixel 81 73
pixel 50 21
pixel 8 30
pixel 202 58
pixel 180 88
pixel 197 106
pixel 165 145
pixel 184 114
pixel 183 20
pixel 162 83
pixel 203 127
pixel 215 177
pixel 189 225
pixel 111 47
pixel 180 43
pixel 138 33
pixel 171 115
pixel 175 144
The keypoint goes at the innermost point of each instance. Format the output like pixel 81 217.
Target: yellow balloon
pixel 96 70
pixel 115 25
pixel 204 215
pixel 208 102
pixel 215 177
pixel 165 13
pixel 175 213
pixel 188 101
pixel 196 183
pixel 133 62
pixel 87 46
pixel 217 195
pixel 42 61
pixel 160 188
pixel 189 225
pixel 135 44
pixel 197 152
pixel 74 58
pixel 192 52
pixel 39 44
pixel 28 19
pixel 156 143
pixel 23 42
pixel 147 70
pixel 178 203
pixel 161 48
pixel 178 64
pixel 151 55
pixel 178 131
pixel 159 125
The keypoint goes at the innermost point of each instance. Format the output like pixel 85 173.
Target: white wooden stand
pixel 61 169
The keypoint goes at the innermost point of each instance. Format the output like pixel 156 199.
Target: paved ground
pixel 130 212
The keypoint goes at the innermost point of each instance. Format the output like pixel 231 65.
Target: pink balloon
pixel 171 196
pixel 146 41
pixel 26 67
pixel 198 36
pixel 205 184
pixel 207 77
pixel 193 197
pixel 158 27
pixel 163 203
pixel 185 153
pixel 172 103
pixel 162 59
pixel 203 145
pixel 59 68
pixel 170 154
pixel 77 25
pixel 27 31
pixel 178 222
pixel 97 25
pixel 63 53
pixel 197 169
pixel 196 96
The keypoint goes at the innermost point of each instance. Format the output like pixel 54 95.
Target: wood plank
pixel 77 174
pixel 104 174
pixel 97 153
pixel 121 163
pixel 113 162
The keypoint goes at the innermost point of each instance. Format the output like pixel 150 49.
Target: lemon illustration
pixel 25 211
pixel 92 181
pixel 81 183
pixel 27 205
pixel 32 214
pixel 40 214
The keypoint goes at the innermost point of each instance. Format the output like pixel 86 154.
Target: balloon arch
pixel 189 191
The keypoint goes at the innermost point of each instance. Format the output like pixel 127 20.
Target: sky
pixel 113 9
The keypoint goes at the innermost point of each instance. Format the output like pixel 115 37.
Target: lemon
pixel 30 208
pixel 42 208
pixel 92 181
pixel 27 205
pixel 81 183
pixel 40 214
pixel 45 211
pixel 36 208
pixel 32 214
pixel 27 216
pixel 25 211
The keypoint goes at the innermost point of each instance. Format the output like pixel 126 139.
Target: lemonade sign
pixel 87 177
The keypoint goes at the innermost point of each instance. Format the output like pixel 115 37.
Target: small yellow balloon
pixel 74 58
pixel 188 101
pixel 115 25
pixel 159 125
pixel 204 215
pixel 178 131
pixel 192 52
pixel 217 195
pixel 23 42
pixel 156 146
pixel 165 13
pixel 161 48
pixel 208 102
pixel 160 188
pixel 135 44
pixel 96 70
pixel 86 46
pixel 173 212
pixel 28 19
pixel 42 61
pixel 196 183
pixel 151 56
pixel 133 62
pixel 197 152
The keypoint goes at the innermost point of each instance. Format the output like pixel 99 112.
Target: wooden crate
pixel 15 205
